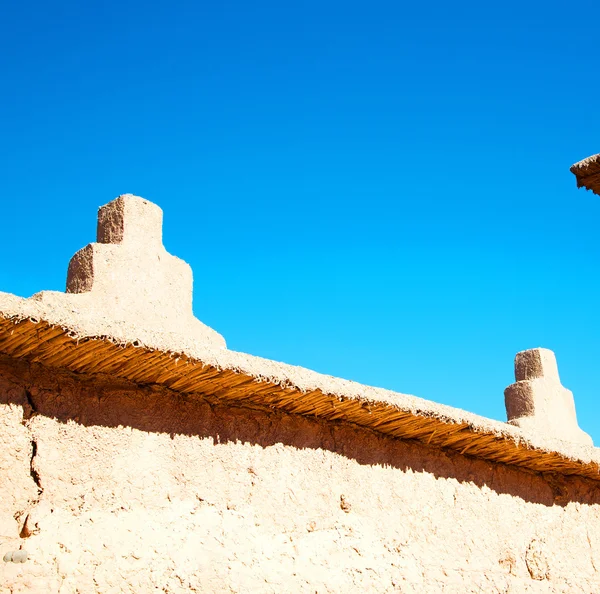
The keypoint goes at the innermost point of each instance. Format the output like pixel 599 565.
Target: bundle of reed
pixel 268 386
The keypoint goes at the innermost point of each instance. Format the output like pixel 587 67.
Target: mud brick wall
pixel 112 487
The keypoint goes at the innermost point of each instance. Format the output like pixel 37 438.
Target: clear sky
pixel 374 190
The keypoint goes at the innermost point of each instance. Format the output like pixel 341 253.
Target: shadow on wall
pixel 104 401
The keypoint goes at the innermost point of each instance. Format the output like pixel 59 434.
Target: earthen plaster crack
pixel 30 411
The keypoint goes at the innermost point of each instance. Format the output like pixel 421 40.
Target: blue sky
pixel 379 191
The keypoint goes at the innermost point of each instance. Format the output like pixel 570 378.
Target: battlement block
pixel 130 220
pixel 129 277
pixel 537 402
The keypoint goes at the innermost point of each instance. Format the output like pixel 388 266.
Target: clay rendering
pixel 139 454
pixel 538 403
pixel 129 278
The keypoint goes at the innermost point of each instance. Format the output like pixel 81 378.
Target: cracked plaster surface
pixel 141 490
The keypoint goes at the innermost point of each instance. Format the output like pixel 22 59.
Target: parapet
pixel 129 278
pixel 538 403
pixel 127 313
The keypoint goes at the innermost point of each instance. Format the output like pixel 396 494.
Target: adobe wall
pixel 116 488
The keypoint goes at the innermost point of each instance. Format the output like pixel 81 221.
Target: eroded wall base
pixel 114 488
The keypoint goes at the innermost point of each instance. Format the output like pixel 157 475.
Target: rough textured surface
pixel 82 341
pixel 118 488
pixel 17 490
pixel 538 403
pixel 130 278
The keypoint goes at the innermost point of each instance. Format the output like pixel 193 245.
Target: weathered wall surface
pixel 112 488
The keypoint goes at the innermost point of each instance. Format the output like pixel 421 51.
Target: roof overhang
pixel 81 342
pixel 587 173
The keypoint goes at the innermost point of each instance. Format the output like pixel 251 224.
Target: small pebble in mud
pixel 19 556
pixel 15 557
pixel 345 504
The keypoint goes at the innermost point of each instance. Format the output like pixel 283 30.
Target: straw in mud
pixel 55 346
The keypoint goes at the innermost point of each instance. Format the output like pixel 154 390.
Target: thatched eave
pixel 587 173
pixel 81 343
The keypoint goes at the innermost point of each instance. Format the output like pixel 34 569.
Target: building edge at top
pixel 127 312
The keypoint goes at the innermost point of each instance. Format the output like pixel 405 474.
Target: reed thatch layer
pixel 587 173
pixel 81 342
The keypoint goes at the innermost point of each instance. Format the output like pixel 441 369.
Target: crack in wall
pixel 29 411
pixel 587 533
pixel 29 527
pixel 32 470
